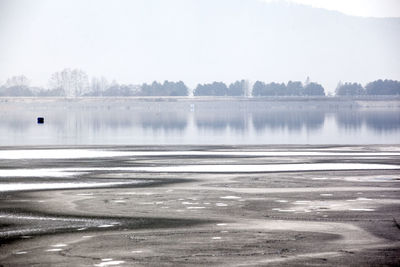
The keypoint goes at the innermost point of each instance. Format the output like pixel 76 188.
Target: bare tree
pixel 98 85
pixel 73 82
pixel 17 81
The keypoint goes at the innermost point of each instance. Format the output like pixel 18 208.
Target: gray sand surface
pixel 317 218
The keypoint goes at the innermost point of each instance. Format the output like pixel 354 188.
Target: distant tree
pixel 175 88
pixel 17 81
pixel 98 85
pixel 349 89
pixel 294 88
pixel 258 88
pixel 202 90
pixel 383 87
pixel 51 92
pixel 270 89
pixel 153 89
pixel 237 88
pixel 16 86
pixel 276 89
pixel 118 90
pixel 211 89
pixel 314 89
pixel 166 89
pixel 15 91
pixel 73 82
pixel 115 89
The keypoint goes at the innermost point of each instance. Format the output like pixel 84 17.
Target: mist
pixel 199 133
pixel 195 41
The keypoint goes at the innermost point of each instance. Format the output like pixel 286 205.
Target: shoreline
pixel 189 103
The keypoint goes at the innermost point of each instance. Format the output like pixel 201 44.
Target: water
pixel 140 123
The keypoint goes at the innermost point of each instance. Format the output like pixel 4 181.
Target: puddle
pixel 283 210
pixel 54 249
pixel 137 193
pixel 95 153
pixel 49 172
pixel 376 179
pixel 8 187
pixel 244 168
pixel 258 168
pixel 59 245
pixel 59 154
pixel 106 225
pixel 189 203
pixel 147 203
pixel 230 197
pixel 302 202
pixel 20 252
pixel 109 263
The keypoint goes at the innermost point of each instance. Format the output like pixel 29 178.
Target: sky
pixel 198 41
pixel 364 8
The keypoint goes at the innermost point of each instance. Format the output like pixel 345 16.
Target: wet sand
pixel 124 208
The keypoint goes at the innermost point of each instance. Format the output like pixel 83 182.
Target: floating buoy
pixel 40 120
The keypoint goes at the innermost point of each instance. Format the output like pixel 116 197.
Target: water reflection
pixel 293 120
pixel 167 121
pixel 221 120
pixel 349 120
pixel 183 123
pixel 383 120
pixel 377 120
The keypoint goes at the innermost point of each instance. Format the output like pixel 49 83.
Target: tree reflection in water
pixel 133 123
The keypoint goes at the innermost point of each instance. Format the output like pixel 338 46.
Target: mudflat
pixel 200 205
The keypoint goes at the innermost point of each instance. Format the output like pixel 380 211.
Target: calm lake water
pixel 131 123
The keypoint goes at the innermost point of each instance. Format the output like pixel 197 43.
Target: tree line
pixel 76 83
pixel 378 87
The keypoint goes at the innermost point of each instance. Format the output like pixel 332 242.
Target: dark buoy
pixel 40 120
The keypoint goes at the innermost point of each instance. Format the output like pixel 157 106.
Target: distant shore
pixel 275 101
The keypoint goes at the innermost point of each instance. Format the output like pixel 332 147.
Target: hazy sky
pixel 366 8
pixel 135 41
